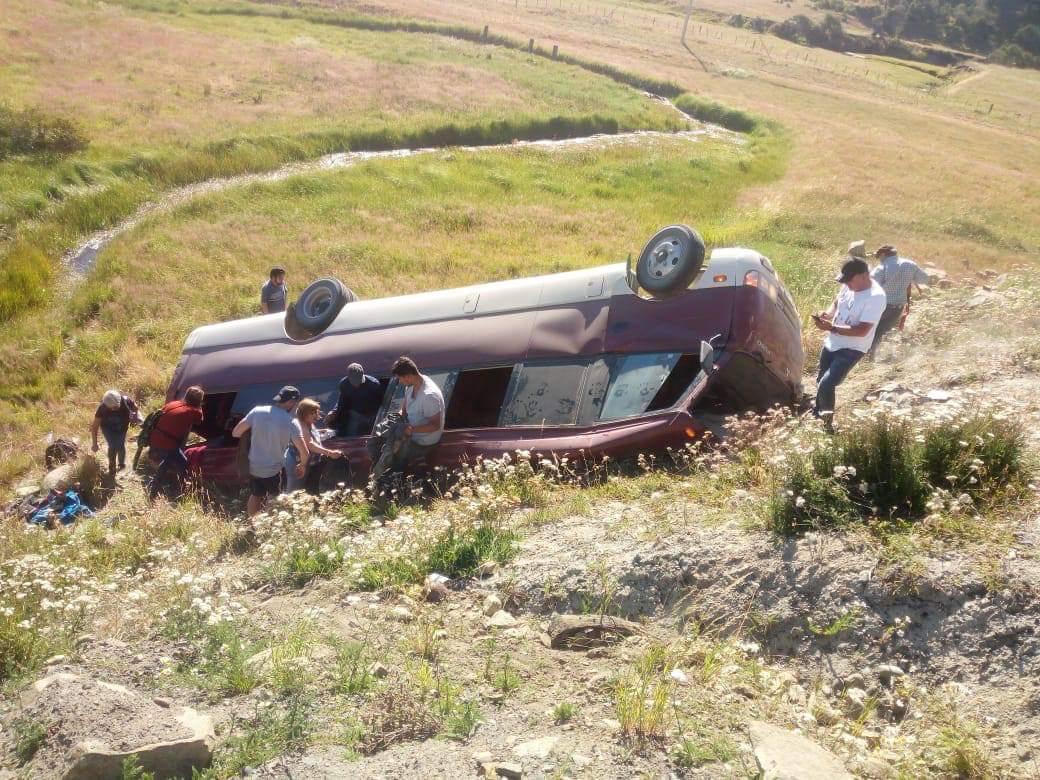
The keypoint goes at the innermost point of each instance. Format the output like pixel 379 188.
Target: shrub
pixel 978 456
pixel 31 131
pixel 886 467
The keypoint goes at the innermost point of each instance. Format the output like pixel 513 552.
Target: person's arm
pixel 243 425
pixel 432 424
pixel 860 329
pixel 94 425
pixel 300 443
pixel 135 414
pixel 263 300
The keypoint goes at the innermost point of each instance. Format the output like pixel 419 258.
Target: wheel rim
pixel 664 257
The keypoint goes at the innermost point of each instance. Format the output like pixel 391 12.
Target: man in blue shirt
pixel 895 274
pixel 271 431
pixel 360 397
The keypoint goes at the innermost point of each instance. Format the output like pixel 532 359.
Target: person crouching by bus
pixel 423 408
pixel 113 418
pixel 166 443
pixel 300 465
pixel 270 430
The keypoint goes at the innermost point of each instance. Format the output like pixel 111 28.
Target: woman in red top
pixel 166 443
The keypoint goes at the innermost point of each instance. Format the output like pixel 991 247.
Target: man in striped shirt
pixel 895 274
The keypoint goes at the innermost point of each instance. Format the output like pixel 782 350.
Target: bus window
pixel 635 382
pixel 544 394
pixel 476 399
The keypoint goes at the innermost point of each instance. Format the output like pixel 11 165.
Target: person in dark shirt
pixel 166 444
pixel 113 418
pixel 274 295
pixel 360 397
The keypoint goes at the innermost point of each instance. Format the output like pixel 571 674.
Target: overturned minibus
pixel 602 361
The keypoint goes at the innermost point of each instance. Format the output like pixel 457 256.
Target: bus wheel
pixel 319 304
pixel 670 261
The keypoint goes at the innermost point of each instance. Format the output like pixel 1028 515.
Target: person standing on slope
pixel 895 274
pixel 850 324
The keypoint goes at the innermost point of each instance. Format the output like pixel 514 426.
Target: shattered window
pixel 544 394
pixel 635 381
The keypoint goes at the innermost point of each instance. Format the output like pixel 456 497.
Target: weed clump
pixel 718 114
pixel 31 131
pixel 886 466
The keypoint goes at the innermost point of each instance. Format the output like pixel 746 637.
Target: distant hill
pixel 1006 30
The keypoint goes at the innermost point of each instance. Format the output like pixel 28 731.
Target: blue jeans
pixel 834 367
pixel 116 441
pixel 292 482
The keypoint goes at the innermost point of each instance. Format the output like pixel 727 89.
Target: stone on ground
pixel 537 748
pixel 97 725
pixel 785 755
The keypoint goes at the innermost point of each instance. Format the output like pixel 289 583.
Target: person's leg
pixel 409 453
pixel 823 403
pixel 838 366
pixel 112 442
pixel 159 477
pixel 889 319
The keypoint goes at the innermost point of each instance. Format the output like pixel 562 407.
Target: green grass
pixel 455 553
pixel 269 733
pixel 137 155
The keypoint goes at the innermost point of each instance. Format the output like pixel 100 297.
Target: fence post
pixel 484 35
pixel 530 46
pixel 556 50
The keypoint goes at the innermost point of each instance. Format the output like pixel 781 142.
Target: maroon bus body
pixel 758 363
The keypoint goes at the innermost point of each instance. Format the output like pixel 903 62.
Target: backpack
pixel 146 433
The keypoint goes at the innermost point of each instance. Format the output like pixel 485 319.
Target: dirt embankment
pixel 925 665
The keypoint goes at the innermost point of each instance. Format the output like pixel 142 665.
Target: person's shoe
pixel 121 467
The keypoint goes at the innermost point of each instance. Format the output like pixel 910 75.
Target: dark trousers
pixel 173 465
pixel 356 424
pixel 116 441
pixel 889 319
pixel 409 453
pixel 834 367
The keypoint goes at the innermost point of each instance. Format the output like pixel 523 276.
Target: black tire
pixel 670 261
pixel 320 303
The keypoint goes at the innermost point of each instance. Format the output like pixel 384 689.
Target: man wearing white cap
pixel 113 418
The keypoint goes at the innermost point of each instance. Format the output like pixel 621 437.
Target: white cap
pixel 112 399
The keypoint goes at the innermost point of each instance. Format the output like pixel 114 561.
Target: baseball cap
pixel 287 393
pixel 852 267
pixel 885 250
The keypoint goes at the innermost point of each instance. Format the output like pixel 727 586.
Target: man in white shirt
pixel 423 408
pixel 850 324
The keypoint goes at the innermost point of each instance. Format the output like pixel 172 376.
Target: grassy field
pixel 168 99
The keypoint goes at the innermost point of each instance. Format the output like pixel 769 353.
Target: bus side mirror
pixel 707 357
